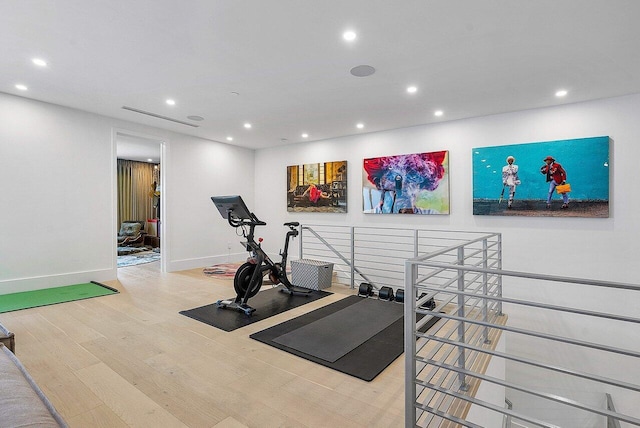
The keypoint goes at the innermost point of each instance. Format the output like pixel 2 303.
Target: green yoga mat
pixel 51 296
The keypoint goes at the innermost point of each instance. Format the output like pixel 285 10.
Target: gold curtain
pixel 293 177
pixel 135 187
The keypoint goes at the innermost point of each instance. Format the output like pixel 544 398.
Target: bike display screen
pixel 233 205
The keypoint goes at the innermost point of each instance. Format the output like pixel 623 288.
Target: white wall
pixel 595 248
pixel 199 236
pixel 57 204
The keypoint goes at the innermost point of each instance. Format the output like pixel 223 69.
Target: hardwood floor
pixel 131 360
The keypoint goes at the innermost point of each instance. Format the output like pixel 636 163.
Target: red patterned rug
pixel 228 271
pixel 223 270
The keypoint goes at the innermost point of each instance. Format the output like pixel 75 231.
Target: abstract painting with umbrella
pixel 407 184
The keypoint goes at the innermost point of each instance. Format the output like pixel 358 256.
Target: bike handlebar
pixel 254 221
pixel 245 222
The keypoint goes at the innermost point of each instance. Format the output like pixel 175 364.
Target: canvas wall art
pixel 317 187
pixel 406 184
pixel 565 178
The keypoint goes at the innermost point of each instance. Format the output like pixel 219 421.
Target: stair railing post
pixel 353 257
pixel 301 241
pixel 499 275
pixel 410 395
pixel 485 290
pixel 461 325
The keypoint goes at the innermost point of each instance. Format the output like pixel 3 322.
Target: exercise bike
pixel 249 276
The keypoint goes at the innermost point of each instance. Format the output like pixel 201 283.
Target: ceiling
pixel 284 67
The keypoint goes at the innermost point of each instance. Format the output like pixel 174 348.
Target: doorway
pixel 139 200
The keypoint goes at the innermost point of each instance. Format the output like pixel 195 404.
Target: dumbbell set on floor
pixel 386 293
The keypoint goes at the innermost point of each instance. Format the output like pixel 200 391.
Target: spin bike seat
pixel 292 224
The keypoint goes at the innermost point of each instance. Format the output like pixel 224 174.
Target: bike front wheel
pixel 242 280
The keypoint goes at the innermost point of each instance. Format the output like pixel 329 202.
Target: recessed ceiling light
pixel 39 62
pixel 247 125
pixel 360 125
pixel 171 102
pixel 21 87
pixel 305 135
pixel 349 35
pixel 438 113
pixel 561 93
pixel 229 138
pixel 412 89
pixel 149 160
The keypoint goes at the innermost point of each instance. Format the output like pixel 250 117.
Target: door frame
pixel 162 227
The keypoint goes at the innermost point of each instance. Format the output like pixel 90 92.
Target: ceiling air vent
pixel 159 116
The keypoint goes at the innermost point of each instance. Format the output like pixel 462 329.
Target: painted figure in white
pixel 510 179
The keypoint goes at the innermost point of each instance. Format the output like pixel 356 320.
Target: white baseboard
pixel 8 286
pixel 202 262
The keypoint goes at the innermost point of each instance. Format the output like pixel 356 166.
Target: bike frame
pixel 263 261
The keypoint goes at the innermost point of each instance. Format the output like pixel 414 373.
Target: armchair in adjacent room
pixel 131 234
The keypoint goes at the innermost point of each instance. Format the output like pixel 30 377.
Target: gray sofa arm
pixel 22 403
pixel 7 339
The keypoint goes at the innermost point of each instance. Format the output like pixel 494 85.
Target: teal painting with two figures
pixel 563 178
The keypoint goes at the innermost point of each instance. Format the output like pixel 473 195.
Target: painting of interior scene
pixel 317 187
pixel 565 178
pixel 406 184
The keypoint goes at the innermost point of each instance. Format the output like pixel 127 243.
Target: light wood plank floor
pixel 131 360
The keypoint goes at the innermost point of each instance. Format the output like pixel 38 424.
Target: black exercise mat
pixel 266 303
pixel 335 335
pixel 365 361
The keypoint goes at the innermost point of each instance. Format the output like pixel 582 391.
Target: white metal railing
pixel 611 422
pixel 375 255
pixel 506 421
pixel 545 330
pixel 568 345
